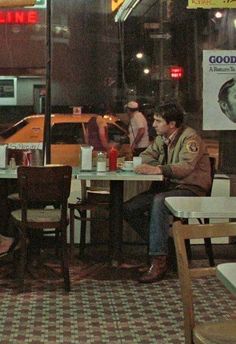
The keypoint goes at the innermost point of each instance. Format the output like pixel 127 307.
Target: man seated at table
pixel 180 155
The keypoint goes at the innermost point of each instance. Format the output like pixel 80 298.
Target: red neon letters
pixel 19 17
pixel 176 72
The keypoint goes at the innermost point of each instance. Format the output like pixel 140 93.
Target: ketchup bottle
pixel 113 153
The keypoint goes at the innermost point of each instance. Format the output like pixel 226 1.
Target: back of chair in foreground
pixel 44 183
pixel 207 333
pixel 39 187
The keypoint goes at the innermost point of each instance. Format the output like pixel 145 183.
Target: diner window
pixel 115 133
pixel 103 58
pixel 67 133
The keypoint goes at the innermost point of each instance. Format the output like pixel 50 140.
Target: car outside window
pixel 67 133
pixel 14 129
pixel 72 133
pixel 116 133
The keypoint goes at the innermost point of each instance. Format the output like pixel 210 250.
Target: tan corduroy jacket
pixel 188 165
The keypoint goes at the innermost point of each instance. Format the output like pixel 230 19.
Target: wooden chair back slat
pixel 44 184
pixel 181 232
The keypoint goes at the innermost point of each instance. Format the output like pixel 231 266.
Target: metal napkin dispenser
pixel 86 158
pixel 3 156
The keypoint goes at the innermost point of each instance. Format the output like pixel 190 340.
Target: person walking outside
pixel 138 128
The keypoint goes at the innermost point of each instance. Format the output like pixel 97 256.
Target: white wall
pixel 25 90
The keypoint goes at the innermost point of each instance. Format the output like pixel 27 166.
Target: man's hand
pixel 147 169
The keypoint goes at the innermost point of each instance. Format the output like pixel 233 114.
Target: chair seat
pixel 99 190
pixel 215 333
pixel 39 215
pixel 94 199
pixel 83 206
pixel 14 197
pixel 98 195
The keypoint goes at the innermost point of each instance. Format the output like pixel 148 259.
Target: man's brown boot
pixel 156 271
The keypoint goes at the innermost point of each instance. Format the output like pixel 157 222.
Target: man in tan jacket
pixel 180 155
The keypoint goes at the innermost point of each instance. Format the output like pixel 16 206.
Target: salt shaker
pixel 12 163
pixel 101 162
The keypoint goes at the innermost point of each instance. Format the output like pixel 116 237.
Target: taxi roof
pixel 60 118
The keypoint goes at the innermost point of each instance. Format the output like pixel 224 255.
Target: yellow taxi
pixel 68 132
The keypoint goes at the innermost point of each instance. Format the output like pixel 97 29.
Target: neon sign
pixel 19 17
pixel 176 72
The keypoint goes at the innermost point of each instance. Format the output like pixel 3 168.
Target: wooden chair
pixel 220 332
pixel 48 185
pixel 92 198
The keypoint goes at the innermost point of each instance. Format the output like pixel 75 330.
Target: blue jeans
pixel 159 222
pixel 147 210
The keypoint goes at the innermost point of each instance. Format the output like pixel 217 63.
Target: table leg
pixel 7 186
pixel 116 220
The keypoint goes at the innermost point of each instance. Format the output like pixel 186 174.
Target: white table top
pixel 116 175
pixel 226 273
pixel 8 173
pixel 202 207
pixel 93 175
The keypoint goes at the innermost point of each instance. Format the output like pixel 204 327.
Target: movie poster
pixel 211 4
pixel 219 89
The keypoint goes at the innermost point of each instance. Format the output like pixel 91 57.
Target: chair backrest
pixel 186 274
pixel 44 184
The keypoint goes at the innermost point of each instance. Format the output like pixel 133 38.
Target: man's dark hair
pixel 223 92
pixel 171 112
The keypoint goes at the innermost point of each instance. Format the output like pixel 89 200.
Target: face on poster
pixel 219 89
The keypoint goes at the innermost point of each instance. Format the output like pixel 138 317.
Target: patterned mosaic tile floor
pixel 106 305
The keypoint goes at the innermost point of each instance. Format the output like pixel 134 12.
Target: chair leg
pixel 188 249
pixel 83 216
pixel 65 260
pixel 209 251
pixel 57 238
pixel 72 231
pixel 172 254
pixel 187 241
pixel 22 264
pixel 208 245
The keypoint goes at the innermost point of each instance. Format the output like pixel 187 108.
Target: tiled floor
pixel 106 305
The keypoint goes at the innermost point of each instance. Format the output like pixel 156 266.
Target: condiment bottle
pixel 12 163
pixel 113 153
pixel 101 162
